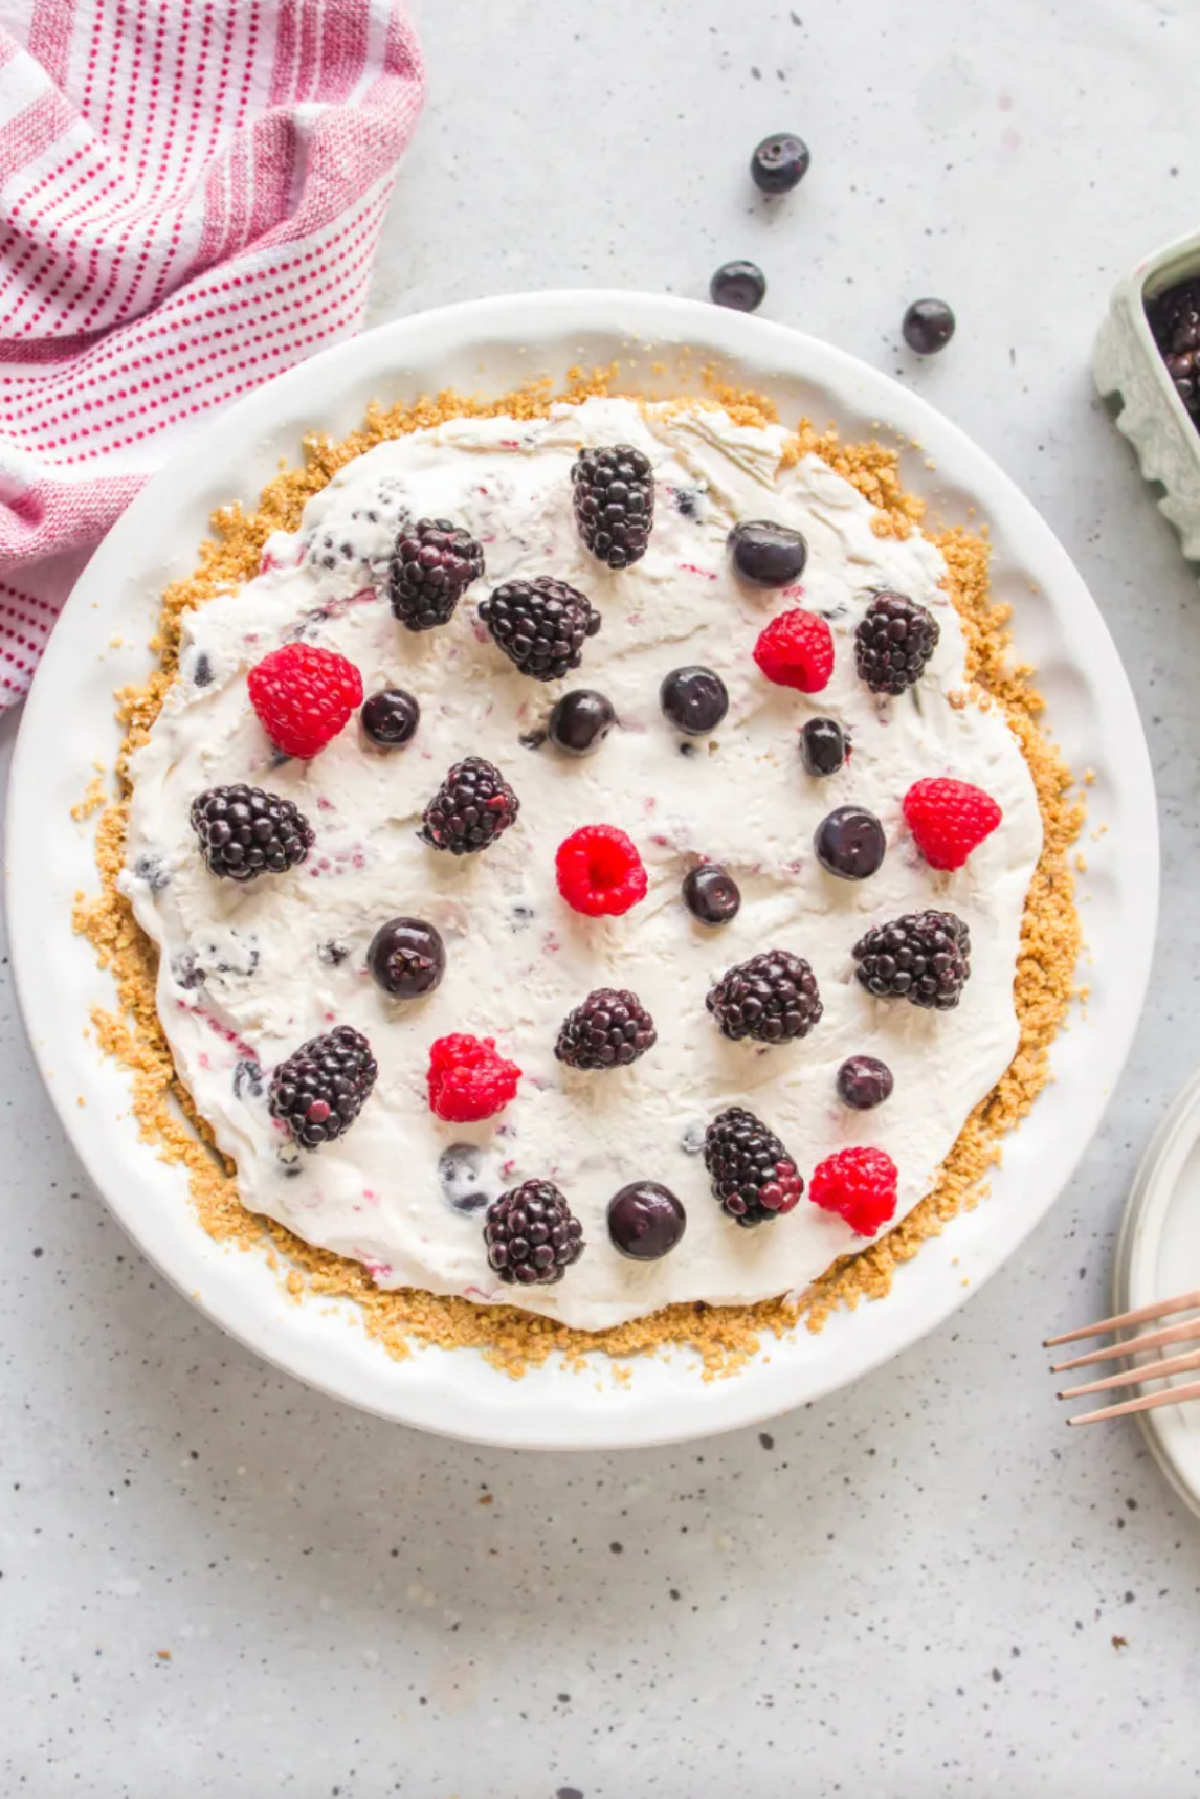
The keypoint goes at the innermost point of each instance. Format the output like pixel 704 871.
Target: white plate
pixel 1158 1256
pixel 101 642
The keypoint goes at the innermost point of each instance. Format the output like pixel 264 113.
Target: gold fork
pixel 1188 1332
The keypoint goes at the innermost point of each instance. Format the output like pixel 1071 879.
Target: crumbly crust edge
pixel 723 1337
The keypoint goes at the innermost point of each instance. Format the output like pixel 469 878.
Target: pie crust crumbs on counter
pixel 724 1337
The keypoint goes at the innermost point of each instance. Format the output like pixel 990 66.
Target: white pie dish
pixel 102 644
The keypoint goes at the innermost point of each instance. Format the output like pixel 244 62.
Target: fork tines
pixel 1186 1332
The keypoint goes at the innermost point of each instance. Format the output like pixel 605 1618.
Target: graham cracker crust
pixel 724 1337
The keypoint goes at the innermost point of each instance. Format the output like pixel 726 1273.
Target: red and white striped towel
pixel 191 193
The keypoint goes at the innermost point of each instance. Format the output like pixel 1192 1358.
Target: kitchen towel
pixel 191 194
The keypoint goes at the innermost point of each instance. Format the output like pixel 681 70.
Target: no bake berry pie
pixel 594 865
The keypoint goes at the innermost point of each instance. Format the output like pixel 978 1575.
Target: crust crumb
pixel 724 1338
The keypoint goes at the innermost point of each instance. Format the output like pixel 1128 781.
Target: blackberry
pixel 319 1091
pixel 532 1235
pixel 773 998
pixel 924 957
pixel 894 641
pixel 433 564
pixel 754 1178
pixel 540 625
pixel 245 832
pixel 609 1030
pixel 614 503
pixel 473 806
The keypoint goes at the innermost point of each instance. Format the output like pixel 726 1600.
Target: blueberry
pixel 739 285
pixel 780 163
pixel 407 957
pixel 928 326
pixel 332 953
pixel 711 895
pixel 149 868
pixel 695 700
pixel 850 843
pixel 645 1221
pixel 187 970
pixel 248 1079
pixel 863 1082
pixel 581 721
pixel 822 746
pixel 202 671
pixel 694 1137
pixel 520 916
pixel 463 1171
pixel 768 554
pixel 390 718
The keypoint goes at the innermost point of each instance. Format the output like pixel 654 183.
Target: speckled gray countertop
pixel 213 1582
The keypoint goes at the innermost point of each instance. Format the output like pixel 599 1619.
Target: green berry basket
pixel 1131 375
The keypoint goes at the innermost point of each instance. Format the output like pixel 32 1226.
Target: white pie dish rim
pixel 102 644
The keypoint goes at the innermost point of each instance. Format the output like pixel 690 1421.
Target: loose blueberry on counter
pixel 390 718
pixel 928 326
pixel 780 163
pixel 407 957
pixel 864 1082
pixel 738 285
pixel 694 699
pixel 822 746
pixel 645 1221
pixel 768 554
pixel 711 894
pixel 850 842
pixel 463 1171
pixel 581 721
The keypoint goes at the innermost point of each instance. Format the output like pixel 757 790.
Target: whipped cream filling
pixel 249 972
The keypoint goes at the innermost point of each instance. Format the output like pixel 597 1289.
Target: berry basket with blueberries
pixel 1146 365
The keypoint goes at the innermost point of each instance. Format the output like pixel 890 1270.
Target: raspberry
pixel 245 832
pixel 469 1079
pixel 753 1177
pixel 949 819
pixel 924 957
pixel 773 998
pixel 894 641
pixel 304 696
pixel 859 1185
pixel 532 1235
pixel 796 650
pixel 614 503
pixel 599 871
pixel 319 1090
pixel 473 806
pixel 434 563
pixel 610 1029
